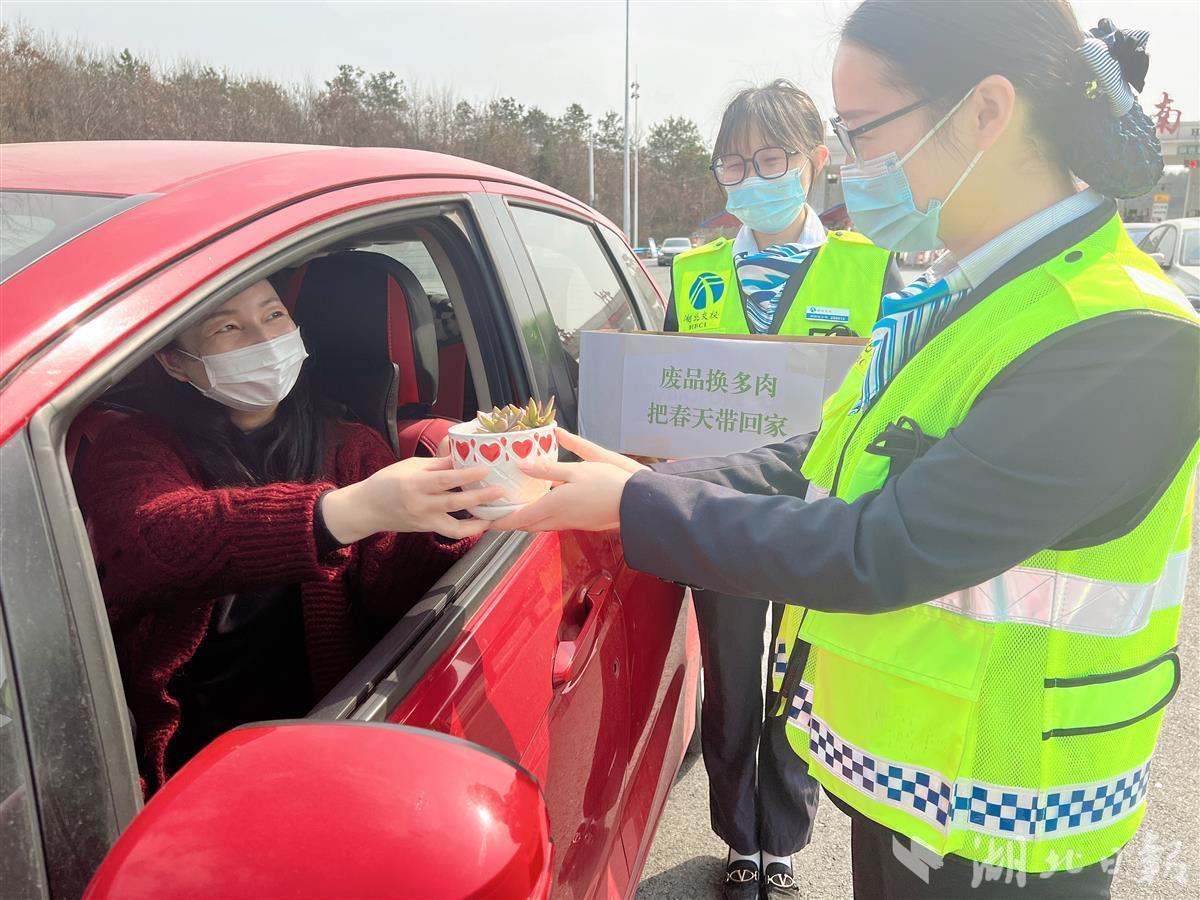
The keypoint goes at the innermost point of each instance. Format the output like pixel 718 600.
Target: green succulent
pixel 516 418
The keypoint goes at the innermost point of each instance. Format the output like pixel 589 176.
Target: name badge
pixel 827 313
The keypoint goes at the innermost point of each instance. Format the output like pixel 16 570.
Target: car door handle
pixel 572 654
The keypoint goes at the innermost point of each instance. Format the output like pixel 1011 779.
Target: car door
pixel 588 280
pixel 526 652
pixel 22 868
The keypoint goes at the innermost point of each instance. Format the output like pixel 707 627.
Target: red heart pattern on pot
pixel 522 448
pixel 490 452
pixel 546 441
pixel 463 448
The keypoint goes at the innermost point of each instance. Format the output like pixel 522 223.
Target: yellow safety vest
pixel 843 287
pixel 1012 722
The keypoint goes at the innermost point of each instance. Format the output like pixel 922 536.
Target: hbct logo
pixel 706 290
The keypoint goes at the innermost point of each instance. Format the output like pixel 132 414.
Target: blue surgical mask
pixel 767 205
pixel 880 201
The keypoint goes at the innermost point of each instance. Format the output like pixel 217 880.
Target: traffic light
pixel 1192 164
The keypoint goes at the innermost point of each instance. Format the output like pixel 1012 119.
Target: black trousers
pixel 886 866
pixel 760 794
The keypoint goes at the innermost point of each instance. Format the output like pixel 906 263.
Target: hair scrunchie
pixel 1116 150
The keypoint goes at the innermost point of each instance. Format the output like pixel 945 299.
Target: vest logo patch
pixel 827 313
pixel 706 290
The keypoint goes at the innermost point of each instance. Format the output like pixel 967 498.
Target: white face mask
pixel 257 377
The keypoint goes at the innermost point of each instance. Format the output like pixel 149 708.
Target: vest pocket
pixel 895 696
pixel 1093 704
pixel 922 644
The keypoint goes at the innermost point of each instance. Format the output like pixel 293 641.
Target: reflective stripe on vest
pixel 1070 602
pixel 998 810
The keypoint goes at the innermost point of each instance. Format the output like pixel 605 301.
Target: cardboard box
pixel 679 396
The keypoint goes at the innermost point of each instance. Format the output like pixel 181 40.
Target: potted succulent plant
pixel 500 441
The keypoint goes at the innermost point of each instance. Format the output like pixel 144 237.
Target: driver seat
pixel 369 328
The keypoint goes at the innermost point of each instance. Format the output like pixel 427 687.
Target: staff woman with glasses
pixel 782 274
pixel 985 550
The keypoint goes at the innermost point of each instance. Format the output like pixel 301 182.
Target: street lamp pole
pixel 592 171
pixel 625 204
pixel 636 94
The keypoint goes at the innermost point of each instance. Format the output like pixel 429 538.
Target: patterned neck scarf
pixel 762 276
pixel 910 317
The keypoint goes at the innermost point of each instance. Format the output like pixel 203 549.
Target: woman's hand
pixel 589 452
pixel 587 498
pixel 413 495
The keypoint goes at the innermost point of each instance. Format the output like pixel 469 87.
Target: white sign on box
pixel 678 396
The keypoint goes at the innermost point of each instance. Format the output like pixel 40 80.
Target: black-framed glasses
pixel 846 136
pixel 767 162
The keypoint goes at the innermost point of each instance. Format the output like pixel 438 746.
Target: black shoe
pixel 780 883
pixel 741 880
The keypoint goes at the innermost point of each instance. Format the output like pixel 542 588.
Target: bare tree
pixel 55 91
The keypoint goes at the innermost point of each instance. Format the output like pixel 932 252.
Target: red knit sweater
pixel 168 548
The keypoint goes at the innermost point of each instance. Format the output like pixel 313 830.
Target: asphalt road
pixel 1163 860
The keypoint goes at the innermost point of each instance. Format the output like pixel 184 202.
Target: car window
pixel 19 867
pixel 643 287
pixel 678 243
pixel 580 285
pixel 29 216
pixel 1166 244
pixel 34 223
pixel 415 255
pixel 1151 241
pixel 1137 231
pixel 1189 248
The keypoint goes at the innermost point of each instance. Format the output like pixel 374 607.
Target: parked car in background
pixel 1175 245
pixel 671 248
pixel 518 729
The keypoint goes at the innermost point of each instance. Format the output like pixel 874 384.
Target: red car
pixel 532 710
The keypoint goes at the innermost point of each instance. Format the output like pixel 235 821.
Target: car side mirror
pixel 1161 259
pixel 336 809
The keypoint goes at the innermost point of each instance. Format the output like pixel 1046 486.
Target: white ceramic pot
pixel 501 455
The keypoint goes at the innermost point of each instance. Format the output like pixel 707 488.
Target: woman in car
pixel 250 544
pixel 989 534
pixel 782 274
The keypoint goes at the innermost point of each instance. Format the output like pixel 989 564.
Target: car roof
pixel 123 168
pixel 193 190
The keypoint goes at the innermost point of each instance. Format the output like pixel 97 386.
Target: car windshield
pixel 1189 248
pixel 676 244
pixel 32 223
